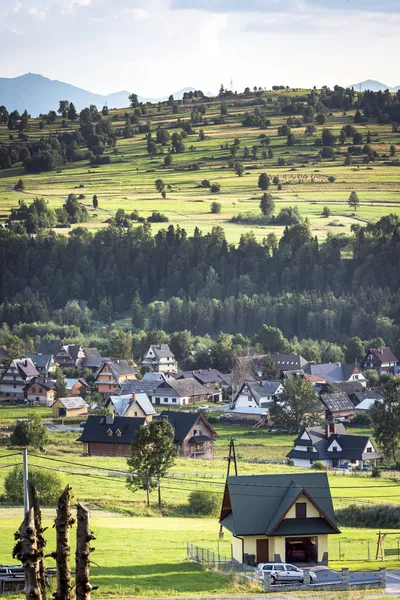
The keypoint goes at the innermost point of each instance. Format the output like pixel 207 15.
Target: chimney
pixel 133 397
pixel 110 419
pixel 330 429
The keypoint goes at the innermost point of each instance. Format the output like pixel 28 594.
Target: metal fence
pixel 362 550
pixel 213 560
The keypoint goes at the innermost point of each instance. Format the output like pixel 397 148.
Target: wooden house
pixel 111 375
pixel 77 387
pixel 133 405
pixel 44 363
pixel 20 372
pixel 381 359
pixel 40 390
pixel 279 518
pixel 193 434
pixel 338 406
pixel 69 407
pixel 110 435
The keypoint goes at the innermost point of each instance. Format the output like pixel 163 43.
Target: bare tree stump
pixel 63 523
pixel 83 538
pixel 41 542
pixel 26 550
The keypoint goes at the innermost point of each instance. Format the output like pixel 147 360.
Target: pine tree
pixel 353 200
pixel 95 202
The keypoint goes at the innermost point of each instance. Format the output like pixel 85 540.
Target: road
pixel 393 582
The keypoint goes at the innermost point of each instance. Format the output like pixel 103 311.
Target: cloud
pixel 17 7
pixel 138 14
pixel 268 6
pixel 38 13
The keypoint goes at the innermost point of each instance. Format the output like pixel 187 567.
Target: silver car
pixel 283 573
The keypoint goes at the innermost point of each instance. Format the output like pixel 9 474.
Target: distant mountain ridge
pixel 373 85
pixel 38 94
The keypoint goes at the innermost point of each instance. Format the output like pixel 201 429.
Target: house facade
pixel 279 518
pixel 44 363
pixel 69 407
pixel 159 357
pixel 179 392
pixel 133 405
pixel 332 446
pixel 110 435
pixel 338 406
pixel 193 434
pixel 40 390
pixel 77 387
pixel 20 372
pixel 381 359
pixel 111 376
pixel 254 394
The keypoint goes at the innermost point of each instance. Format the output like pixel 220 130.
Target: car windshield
pixel 267 568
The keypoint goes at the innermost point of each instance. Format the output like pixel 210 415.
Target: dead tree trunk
pixel 83 538
pixel 41 542
pixel 26 550
pixel 63 522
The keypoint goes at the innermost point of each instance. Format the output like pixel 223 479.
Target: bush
pixel 290 215
pixel 380 515
pixel 49 485
pixel 204 503
pixel 326 211
pixel 216 208
pixel 29 432
pixel 361 420
pixel 318 466
pixel 205 183
pixel 157 217
pixel 376 473
pixel 215 188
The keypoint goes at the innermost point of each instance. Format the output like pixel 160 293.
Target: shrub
pixel 318 466
pixel 379 515
pixel 204 503
pixel 331 178
pixel 326 211
pixel 289 215
pixel 30 432
pixel 216 208
pixel 361 420
pixel 49 485
pixel 376 473
pixel 157 217
pixel 215 188
pixel 205 183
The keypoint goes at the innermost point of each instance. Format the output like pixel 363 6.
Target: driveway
pixel 393 582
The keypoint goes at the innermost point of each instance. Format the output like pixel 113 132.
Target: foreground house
pixel 332 446
pixel 41 390
pixel 193 434
pixel 254 394
pixel 133 405
pixel 19 373
pixel 69 407
pixel 111 376
pixel 381 359
pixel 110 435
pixel 160 357
pixel 278 518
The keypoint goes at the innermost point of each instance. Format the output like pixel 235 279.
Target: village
pixel 122 398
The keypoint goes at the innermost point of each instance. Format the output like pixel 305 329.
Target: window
pixel 310 449
pixel 194 431
pixel 109 432
pixel 174 400
pixel 301 510
pixel 34 390
pixel 267 568
pixel 40 390
pixel 109 387
pixel 135 413
pixel 369 449
pixel 278 568
pixel 165 399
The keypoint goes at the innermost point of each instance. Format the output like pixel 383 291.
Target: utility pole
pixel 26 490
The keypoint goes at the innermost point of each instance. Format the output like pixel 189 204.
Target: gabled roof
pixel 135 386
pixel 44 382
pixel 203 376
pixel 258 503
pixel 161 351
pixel 123 403
pixel 96 429
pixel 261 389
pixel 41 361
pixel 382 355
pixel 73 351
pixel 338 401
pixel 50 347
pixel 332 372
pixel 73 402
pixel 91 353
pixel 182 388
pixel 26 367
pixel 287 362
pixel 92 362
pixel 367 396
pixel 118 368
pixel 70 382
pixel 182 422
pixel 349 386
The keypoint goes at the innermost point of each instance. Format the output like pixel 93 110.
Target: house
pixel 92 362
pixel 20 372
pixel 91 353
pixel 336 372
pixel 160 358
pixel 381 359
pixel 50 347
pixel 134 405
pixel 110 435
pixel 193 434
pixel 278 518
pixel 41 390
pixel 179 392
pixel 44 363
pixel 156 376
pixel 210 378
pixel 337 406
pixel 363 401
pixel 111 375
pixel 332 446
pixel 77 387
pixel 257 394
pixel 73 406
pixel 283 362
pixel 69 355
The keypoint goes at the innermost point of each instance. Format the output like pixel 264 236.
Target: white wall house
pixel 257 395
pixel 160 358
pixel 19 373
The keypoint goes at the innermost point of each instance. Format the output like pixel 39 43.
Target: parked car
pixel 367 468
pixel 283 573
pixel 205 407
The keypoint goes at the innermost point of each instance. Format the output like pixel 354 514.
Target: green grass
pixel 128 182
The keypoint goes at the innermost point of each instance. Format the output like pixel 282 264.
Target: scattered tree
pixel 267 205
pixel 353 200
pixel 263 181
pixel 30 432
pixel 298 406
pixel 216 208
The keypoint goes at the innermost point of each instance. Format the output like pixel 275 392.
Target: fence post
pixel 202 556
pixel 307 578
pixel 267 581
pixel 382 576
pixel 340 551
pixel 197 554
pixel 369 551
pixel 345 577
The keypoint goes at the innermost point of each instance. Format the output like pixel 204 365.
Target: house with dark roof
pixel 132 405
pixel 336 372
pixel 20 372
pixel 193 434
pixel 50 347
pixel 91 353
pixel 257 394
pixel 44 363
pixel 381 359
pixel 73 406
pixel 40 390
pixel 332 446
pixel 110 435
pixel 69 355
pixel 92 362
pixel 338 406
pixel 364 401
pixel 111 375
pixel 179 392
pixel 283 362
pixel 160 358
pixel 279 518
pixel 211 379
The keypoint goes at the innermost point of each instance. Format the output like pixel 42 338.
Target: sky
pixel 155 47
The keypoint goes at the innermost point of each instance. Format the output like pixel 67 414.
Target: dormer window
pixel 109 432
pixel 118 433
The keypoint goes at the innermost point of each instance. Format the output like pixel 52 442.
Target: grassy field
pixel 128 182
